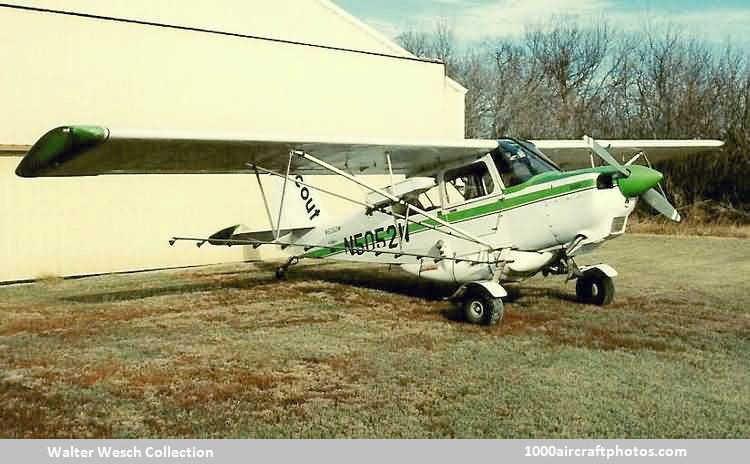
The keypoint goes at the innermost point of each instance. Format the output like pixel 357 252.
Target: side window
pixel 517 165
pixel 468 182
pixel 423 199
pixel 431 198
pixel 512 170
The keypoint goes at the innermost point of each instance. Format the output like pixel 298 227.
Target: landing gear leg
pixel 281 270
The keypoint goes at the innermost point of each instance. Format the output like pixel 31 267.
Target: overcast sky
pixel 714 20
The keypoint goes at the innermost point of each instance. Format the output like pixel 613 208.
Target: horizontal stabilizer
pixel 239 233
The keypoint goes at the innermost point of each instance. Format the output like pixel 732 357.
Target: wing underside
pixel 89 151
pixel 574 154
pixel 92 150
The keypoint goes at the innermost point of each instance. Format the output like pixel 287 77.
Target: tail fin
pixel 302 212
pixel 303 206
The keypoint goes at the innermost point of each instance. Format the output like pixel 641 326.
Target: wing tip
pixel 58 146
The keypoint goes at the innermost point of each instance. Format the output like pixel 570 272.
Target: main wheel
pixel 596 288
pixel 482 308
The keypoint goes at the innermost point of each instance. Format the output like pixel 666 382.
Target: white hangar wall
pixel 61 69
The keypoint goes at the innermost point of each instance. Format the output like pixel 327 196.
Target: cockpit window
pixel 468 182
pixel 518 163
pixel 427 201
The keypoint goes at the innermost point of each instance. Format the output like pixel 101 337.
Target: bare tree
pixel 563 78
pixel 416 42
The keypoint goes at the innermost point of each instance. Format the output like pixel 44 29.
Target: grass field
pixel 353 351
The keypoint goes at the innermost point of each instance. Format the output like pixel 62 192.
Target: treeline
pixel 563 79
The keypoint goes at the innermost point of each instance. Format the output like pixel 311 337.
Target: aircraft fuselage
pixel 532 225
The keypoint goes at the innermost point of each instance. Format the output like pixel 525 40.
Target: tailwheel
pixel 281 270
pixel 596 288
pixel 479 307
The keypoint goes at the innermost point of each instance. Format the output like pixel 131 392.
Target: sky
pixel 716 21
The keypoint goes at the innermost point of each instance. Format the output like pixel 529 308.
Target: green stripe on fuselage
pixel 502 204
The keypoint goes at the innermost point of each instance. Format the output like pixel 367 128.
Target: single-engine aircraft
pixel 477 213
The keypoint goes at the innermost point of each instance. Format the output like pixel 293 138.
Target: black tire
pixel 479 307
pixel 595 288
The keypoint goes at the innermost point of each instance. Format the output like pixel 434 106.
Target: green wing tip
pixel 89 134
pixel 58 146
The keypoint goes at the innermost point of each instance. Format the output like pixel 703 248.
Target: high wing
pixel 91 150
pixel 574 154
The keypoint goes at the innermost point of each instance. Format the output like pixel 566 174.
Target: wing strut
pixel 283 194
pixel 393 189
pixel 393 198
pixel 360 203
pixel 265 200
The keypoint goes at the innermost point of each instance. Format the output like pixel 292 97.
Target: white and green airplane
pixel 476 213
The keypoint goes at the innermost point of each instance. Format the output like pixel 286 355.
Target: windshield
pixel 518 162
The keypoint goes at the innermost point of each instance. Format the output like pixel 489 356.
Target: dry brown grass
pixel 689 228
pixel 362 351
pixel 703 219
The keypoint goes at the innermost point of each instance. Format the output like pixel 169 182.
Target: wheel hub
pixel 477 308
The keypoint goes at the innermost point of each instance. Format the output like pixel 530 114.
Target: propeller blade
pixel 635 158
pixel 604 154
pixel 657 201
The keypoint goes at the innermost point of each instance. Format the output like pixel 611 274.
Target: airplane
pixel 475 213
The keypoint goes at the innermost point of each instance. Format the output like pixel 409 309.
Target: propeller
pixel 637 181
pixel 657 201
pixel 604 154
